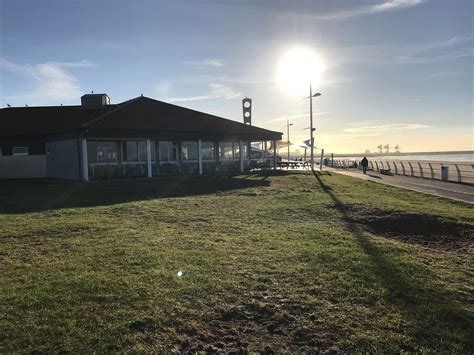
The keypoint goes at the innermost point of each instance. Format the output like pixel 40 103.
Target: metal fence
pixel 462 172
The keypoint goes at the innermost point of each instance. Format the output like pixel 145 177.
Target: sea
pixel 465 156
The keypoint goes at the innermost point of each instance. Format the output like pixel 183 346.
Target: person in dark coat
pixel 365 163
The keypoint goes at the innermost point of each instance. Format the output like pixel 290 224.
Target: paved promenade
pixel 449 190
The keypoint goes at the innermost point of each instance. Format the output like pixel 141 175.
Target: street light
pixel 288 124
pixel 310 97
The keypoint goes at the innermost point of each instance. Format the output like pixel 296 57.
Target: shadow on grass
pixel 23 196
pixel 428 308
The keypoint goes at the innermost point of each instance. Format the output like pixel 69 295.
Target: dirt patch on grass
pixel 419 228
pixel 264 323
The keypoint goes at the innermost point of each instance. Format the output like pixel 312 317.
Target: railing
pixel 340 163
pixel 461 172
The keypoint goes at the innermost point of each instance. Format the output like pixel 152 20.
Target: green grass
pixel 282 262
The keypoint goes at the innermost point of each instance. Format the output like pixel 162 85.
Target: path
pixel 438 188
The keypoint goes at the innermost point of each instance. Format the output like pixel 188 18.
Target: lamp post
pixel 310 97
pixel 288 124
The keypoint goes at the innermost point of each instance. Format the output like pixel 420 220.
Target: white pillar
pixel 200 156
pixel 85 163
pixel 241 150
pixel 148 157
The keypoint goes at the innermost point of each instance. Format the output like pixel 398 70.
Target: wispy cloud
pixel 447 74
pixel 80 64
pixel 293 117
pixel 419 53
pixel 162 88
pixel 337 81
pixel 216 91
pixel 450 48
pixel 388 127
pixel 207 62
pixel 390 5
pixel 49 82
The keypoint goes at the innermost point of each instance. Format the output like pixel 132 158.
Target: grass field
pixel 287 261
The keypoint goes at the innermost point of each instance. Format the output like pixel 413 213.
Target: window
pixel 208 151
pixel 245 150
pixel 167 151
pixel 131 151
pixel 102 152
pixel 225 151
pixel 142 153
pixel 189 150
pixel 20 151
pixel 134 151
pixel 153 150
pixel 236 150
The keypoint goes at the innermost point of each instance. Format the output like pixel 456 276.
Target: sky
pixel 389 71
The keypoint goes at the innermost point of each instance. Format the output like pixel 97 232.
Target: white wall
pixel 22 166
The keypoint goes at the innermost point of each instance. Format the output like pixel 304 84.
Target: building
pixel 141 137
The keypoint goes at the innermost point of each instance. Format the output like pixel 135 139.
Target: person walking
pixel 365 163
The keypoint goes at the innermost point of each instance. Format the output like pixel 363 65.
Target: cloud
pixel 49 81
pixel 216 91
pixel 336 81
pixel 292 117
pixel 388 127
pixel 241 79
pixel 451 48
pixel 162 88
pixel 207 62
pixel 81 64
pixel 447 74
pixel 419 53
pixel 389 5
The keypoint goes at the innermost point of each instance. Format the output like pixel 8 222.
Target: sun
pixel 298 68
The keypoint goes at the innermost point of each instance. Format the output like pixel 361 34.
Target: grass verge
pixel 283 262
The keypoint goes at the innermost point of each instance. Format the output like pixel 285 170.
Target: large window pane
pixel 189 151
pixel 131 151
pixel 167 151
pixel 208 151
pixel 102 152
pixel 225 151
pixel 245 150
pixel 236 150
pixel 142 156
pixel 91 152
pixel 153 150
pixel 135 151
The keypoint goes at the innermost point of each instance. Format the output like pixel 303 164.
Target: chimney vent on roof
pixel 94 100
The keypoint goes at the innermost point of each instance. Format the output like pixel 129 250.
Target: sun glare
pixel 297 68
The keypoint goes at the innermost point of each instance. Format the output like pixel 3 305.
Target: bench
pixel 385 171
